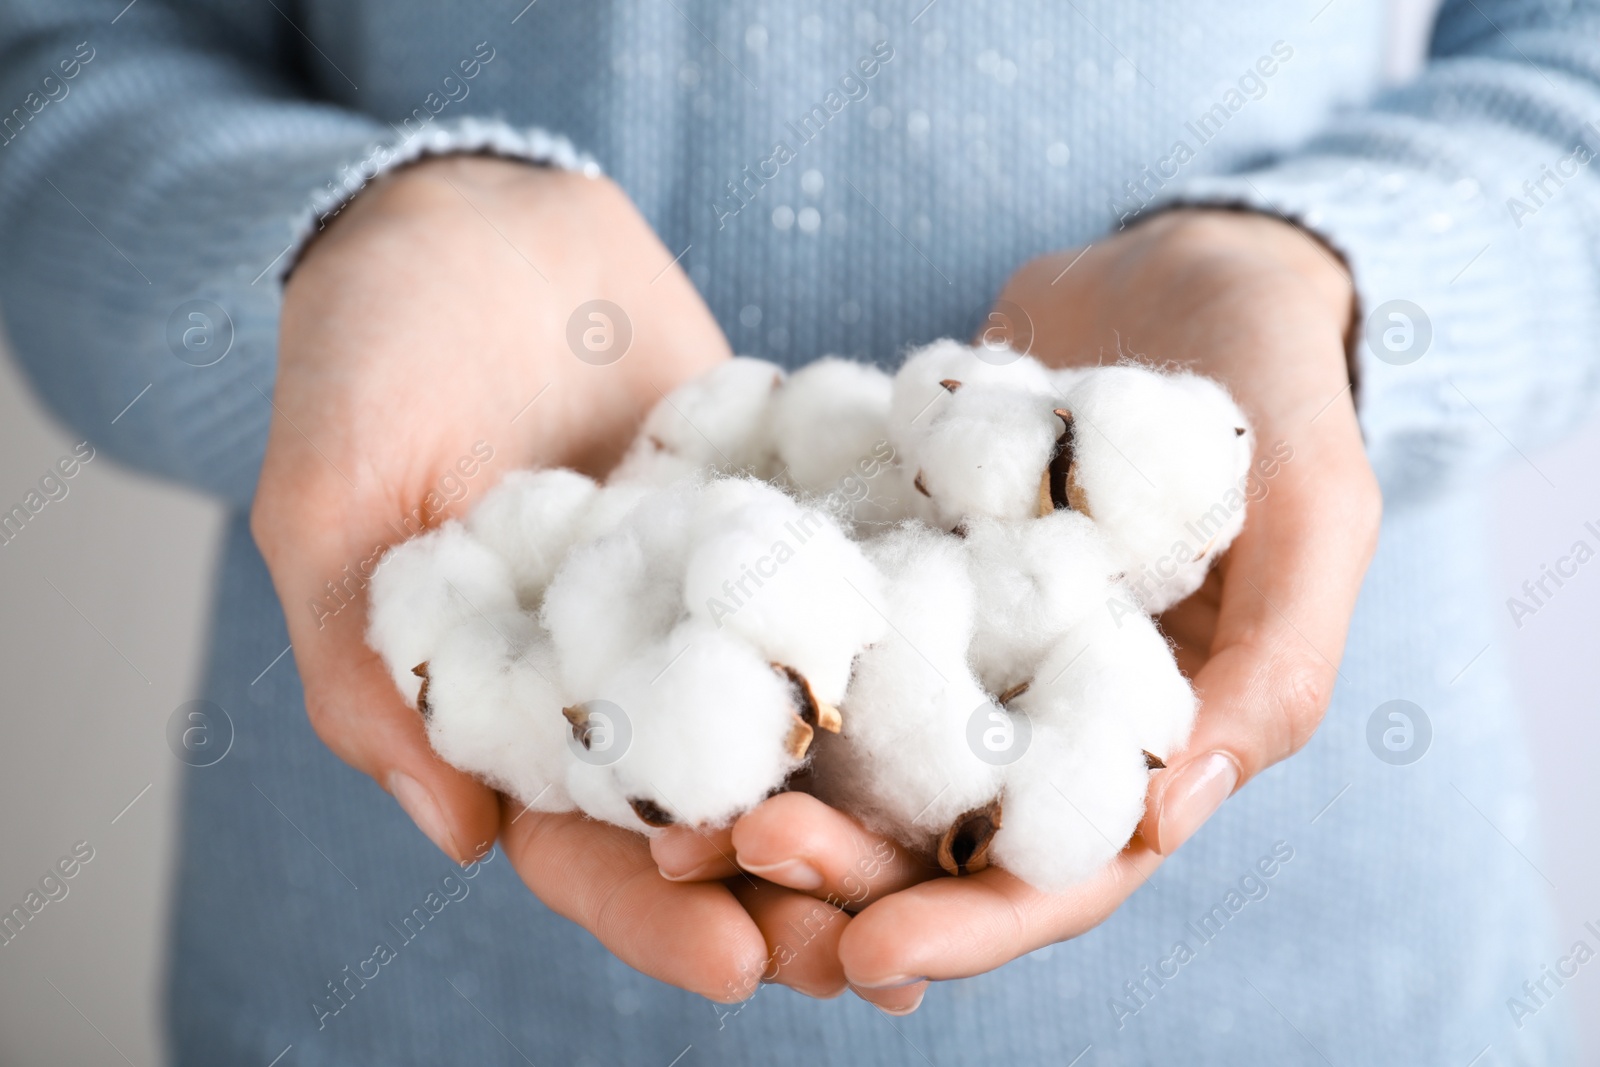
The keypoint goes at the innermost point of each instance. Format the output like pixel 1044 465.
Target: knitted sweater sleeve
pixel 1467 205
pixel 159 168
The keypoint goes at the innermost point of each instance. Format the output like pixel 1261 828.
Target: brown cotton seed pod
pixel 964 848
pixel 1152 761
pixel 582 729
pixel 798 741
pixel 1013 693
pixel 421 671
pixel 812 712
pixel 1058 485
pixel 919 485
pixel 950 384
pixel 650 813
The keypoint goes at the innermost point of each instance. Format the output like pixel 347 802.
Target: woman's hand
pixel 425 351
pixel 1261 306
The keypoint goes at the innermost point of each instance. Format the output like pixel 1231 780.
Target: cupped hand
pixel 427 348
pixel 1263 307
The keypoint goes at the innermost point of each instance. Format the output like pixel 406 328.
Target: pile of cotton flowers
pixel 931 592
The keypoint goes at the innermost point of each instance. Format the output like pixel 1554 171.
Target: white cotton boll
pixel 1115 665
pixel 617 594
pixel 710 721
pixel 1071 803
pixel 1162 462
pixel 425 587
pixel 1034 581
pixel 494 709
pixel 984 454
pixel 531 519
pixel 647 465
pixel 830 424
pixel 722 419
pixel 903 762
pixel 919 394
pixel 608 507
pixel 1063 379
pixel 786 580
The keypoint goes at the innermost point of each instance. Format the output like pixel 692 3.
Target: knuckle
pixel 1303 688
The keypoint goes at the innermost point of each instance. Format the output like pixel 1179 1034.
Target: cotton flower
pixel 903 762
pixel 492 707
pixel 720 421
pixel 1071 803
pixel 827 419
pixel 1115 665
pixel 423 588
pixel 1160 461
pixel 922 385
pixel 983 454
pixel 531 520
pixel 1033 581
pixel 930 591
pixel 786 580
pixel 710 723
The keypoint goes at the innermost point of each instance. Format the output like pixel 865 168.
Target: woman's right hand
pixel 428 327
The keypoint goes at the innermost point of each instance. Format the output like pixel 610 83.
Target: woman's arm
pixel 162 164
pixel 1473 196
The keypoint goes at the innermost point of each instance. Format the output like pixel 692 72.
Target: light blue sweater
pixel 849 178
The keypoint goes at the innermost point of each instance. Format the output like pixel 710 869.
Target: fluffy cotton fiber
pixel 531 520
pixel 1033 582
pixel 924 562
pixel 902 761
pixel 720 421
pixel 425 587
pixel 1161 460
pixel 493 708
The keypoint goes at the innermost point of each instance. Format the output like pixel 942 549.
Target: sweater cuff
pixel 463 136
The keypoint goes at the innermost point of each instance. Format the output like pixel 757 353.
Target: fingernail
pixel 908 1008
pixel 424 811
pixel 681 855
pixel 1197 791
pixel 895 982
pixel 697 873
pixel 796 874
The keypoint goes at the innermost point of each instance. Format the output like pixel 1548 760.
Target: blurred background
pixel 103 612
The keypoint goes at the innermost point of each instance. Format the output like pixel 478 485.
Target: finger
pixel 694 935
pixel 687 854
pixel 802 936
pixel 958 927
pixel 795 840
pixel 896 1000
pixel 1288 591
pixel 353 703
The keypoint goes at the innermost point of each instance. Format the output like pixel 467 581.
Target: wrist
pixel 1238 238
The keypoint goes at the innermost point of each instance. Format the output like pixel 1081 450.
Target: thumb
pixel 1288 591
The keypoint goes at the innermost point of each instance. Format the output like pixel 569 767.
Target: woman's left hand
pixel 1259 305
